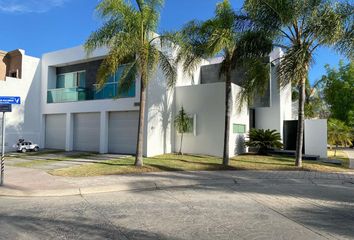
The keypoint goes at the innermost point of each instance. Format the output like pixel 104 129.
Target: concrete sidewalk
pixel 25 182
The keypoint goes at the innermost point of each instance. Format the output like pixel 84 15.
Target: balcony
pixel 108 91
pixel 62 95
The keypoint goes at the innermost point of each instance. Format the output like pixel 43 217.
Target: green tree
pixel 129 33
pixel 315 104
pixel 183 125
pixel 301 27
pixel 231 36
pixel 264 140
pixel 338 133
pixel 339 92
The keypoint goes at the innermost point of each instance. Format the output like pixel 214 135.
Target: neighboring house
pixel 74 114
pixel 20 76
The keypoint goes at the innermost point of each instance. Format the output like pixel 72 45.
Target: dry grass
pixel 341 155
pixel 172 162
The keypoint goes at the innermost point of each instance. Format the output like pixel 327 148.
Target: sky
pixel 40 26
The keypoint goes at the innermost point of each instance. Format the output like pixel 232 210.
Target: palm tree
pixel 183 125
pixel 338 134
pixel 129 33
pixel 301 27
pixel 231 36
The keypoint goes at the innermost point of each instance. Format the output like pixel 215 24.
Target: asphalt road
pixel 262 209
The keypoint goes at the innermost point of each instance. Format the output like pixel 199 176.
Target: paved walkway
pixel 35 182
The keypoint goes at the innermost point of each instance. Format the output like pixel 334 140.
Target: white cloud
pixel 29 6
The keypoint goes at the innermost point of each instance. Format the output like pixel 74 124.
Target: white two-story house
pixel 73 114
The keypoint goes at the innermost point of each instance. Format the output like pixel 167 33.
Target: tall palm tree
pixel 231 36
pixel 301 27
pixel 129 33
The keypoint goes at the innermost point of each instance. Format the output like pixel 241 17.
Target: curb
pixel 7 192
pixel 160 185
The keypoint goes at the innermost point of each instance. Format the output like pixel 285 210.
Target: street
pixel 253 209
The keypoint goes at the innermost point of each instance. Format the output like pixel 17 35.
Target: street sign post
pixel 5 106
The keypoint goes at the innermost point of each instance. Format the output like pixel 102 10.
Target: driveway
pixel 256 205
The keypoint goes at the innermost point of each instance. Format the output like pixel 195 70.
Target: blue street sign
pixel 5 108
pixel 10 100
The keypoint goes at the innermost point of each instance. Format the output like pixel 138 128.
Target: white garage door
pixel 87 132
pixel 123 130
pixel 55 126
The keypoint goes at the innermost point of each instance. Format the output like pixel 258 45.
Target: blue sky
pixel 40 26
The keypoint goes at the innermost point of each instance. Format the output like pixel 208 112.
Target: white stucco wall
pixel 24 120
pixel 281 105
pixel 207 102
pixel 238 116
pixel 159 115
pixel 316 137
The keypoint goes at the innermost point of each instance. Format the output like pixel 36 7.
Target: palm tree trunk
pixel 227 118
pixel 180 146
pixel 300 125
pixel 140 141
pixel 335 150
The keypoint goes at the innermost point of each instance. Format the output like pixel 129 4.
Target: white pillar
pixel 42 131
pixel 69 139
pixel 104 132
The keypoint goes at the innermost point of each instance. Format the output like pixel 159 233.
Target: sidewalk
pixel 25 182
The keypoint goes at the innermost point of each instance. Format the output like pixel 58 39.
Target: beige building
pixel 11 64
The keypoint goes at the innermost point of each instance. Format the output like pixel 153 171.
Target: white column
pixel 42 131
pixel 69 140
pixel 104 132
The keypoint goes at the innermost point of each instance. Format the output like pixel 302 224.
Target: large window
pixel 111 88
pixel 71 80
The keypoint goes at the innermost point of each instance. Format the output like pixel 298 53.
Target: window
pixel 239 128
pixel 13 74
pixel 71 80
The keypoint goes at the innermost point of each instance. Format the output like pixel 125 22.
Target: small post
pixel 2 149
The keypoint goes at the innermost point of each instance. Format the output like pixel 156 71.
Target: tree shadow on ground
pixel 30 227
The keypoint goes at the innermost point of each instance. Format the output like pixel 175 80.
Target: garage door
pixel 87 132
pixel 123 130
pixel 55 126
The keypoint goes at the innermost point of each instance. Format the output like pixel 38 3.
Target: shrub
pixel 264 140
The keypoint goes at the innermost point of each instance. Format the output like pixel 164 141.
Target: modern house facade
pixel 72 113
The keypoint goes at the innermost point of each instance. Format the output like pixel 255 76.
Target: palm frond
pixel 128 77
pixel 168 67
pixel 294 65
pixel 256 80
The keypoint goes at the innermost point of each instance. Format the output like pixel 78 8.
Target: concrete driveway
pixel 254 205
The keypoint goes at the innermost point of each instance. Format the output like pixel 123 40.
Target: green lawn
pixel 172 162
pixel 41 162
pixel 34 163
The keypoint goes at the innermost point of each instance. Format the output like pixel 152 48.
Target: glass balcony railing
pixel 108 91
pixel 61 95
